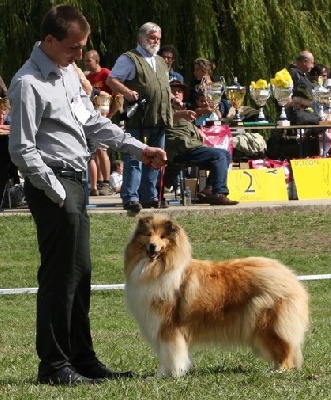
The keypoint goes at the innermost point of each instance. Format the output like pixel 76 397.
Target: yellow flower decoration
pixel 260 84
pixel 282 79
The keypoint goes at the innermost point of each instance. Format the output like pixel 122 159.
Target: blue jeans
pixel 213 159
pixel 139 181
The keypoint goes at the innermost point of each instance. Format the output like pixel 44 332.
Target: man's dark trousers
pixel 64 277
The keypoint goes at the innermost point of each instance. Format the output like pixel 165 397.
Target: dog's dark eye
pixel 162 236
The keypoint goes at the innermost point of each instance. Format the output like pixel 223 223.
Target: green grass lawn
pixel 299 239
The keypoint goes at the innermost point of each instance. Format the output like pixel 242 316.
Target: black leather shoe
pixel 134 206
pixel 97 370
pixel 66 376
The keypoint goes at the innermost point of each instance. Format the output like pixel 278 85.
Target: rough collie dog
pixel 179 302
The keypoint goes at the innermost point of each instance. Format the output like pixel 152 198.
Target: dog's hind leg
pixel 275 350
pixel 281 352
pixel 297 357
pixel 173 356
pixel 279 334
pixel 286 354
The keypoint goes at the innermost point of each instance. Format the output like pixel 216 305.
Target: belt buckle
pixel 79 176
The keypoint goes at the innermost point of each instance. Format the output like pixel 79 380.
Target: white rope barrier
pixel 121 286
pixel 34 290
pixel 314 277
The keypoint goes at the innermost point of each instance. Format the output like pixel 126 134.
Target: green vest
pixel 154 87
pixel 181 138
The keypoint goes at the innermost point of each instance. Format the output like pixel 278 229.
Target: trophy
pixel 102 103
pixel 327 85
pixel 282 95
pixel 236 96
pixel 260 97
pixel 321 96
pixel 214 92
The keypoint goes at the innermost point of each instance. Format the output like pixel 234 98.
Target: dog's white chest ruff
pixel 142 298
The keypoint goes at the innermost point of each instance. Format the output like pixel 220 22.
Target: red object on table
pixel 218 136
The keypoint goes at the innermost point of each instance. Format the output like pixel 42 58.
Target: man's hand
pixel 201 134
pixel 131 95
pixel 154 157
pixel 189 115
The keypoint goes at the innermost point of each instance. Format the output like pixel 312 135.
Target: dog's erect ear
pixel 144 220
pixel 143 223
pixel 172 227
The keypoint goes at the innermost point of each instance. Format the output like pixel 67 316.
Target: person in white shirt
pixel 116 177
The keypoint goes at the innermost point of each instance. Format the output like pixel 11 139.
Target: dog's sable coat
pixel 180 302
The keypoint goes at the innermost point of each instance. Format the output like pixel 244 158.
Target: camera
pixel 132 109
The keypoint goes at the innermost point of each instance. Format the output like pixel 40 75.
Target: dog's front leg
pixel 173 357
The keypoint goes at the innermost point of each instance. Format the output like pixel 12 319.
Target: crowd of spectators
pixel 138 74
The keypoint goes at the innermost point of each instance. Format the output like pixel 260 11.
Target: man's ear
pixel 49 39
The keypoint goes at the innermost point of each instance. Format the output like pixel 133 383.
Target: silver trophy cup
pixel 260 97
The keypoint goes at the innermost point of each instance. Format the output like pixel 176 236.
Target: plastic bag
pixel 218 136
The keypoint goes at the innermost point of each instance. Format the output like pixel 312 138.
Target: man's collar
pixel 44 63
pixel 300 71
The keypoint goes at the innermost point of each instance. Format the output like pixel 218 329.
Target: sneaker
pixel 105 190
pixel 66 376
pixel 168 189
pixel 94 192
pixel 221 200
pixel 132 206
pixel 97 370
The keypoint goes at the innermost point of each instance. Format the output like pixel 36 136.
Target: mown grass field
pixel 299 239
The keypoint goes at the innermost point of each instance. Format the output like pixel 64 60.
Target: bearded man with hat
pixel 184 145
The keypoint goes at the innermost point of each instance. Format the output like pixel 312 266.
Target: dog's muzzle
pixel 152 251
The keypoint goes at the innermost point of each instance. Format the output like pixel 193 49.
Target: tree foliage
pixel 251 39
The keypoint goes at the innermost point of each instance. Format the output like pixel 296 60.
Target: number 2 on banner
pixel 257 185
pixel 249 187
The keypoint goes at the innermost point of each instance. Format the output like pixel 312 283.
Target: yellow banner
pixel 257 184
pixel 312 177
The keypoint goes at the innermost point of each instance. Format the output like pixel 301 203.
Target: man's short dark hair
pixel 168 48
pixel 59 19
pixel 318 70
